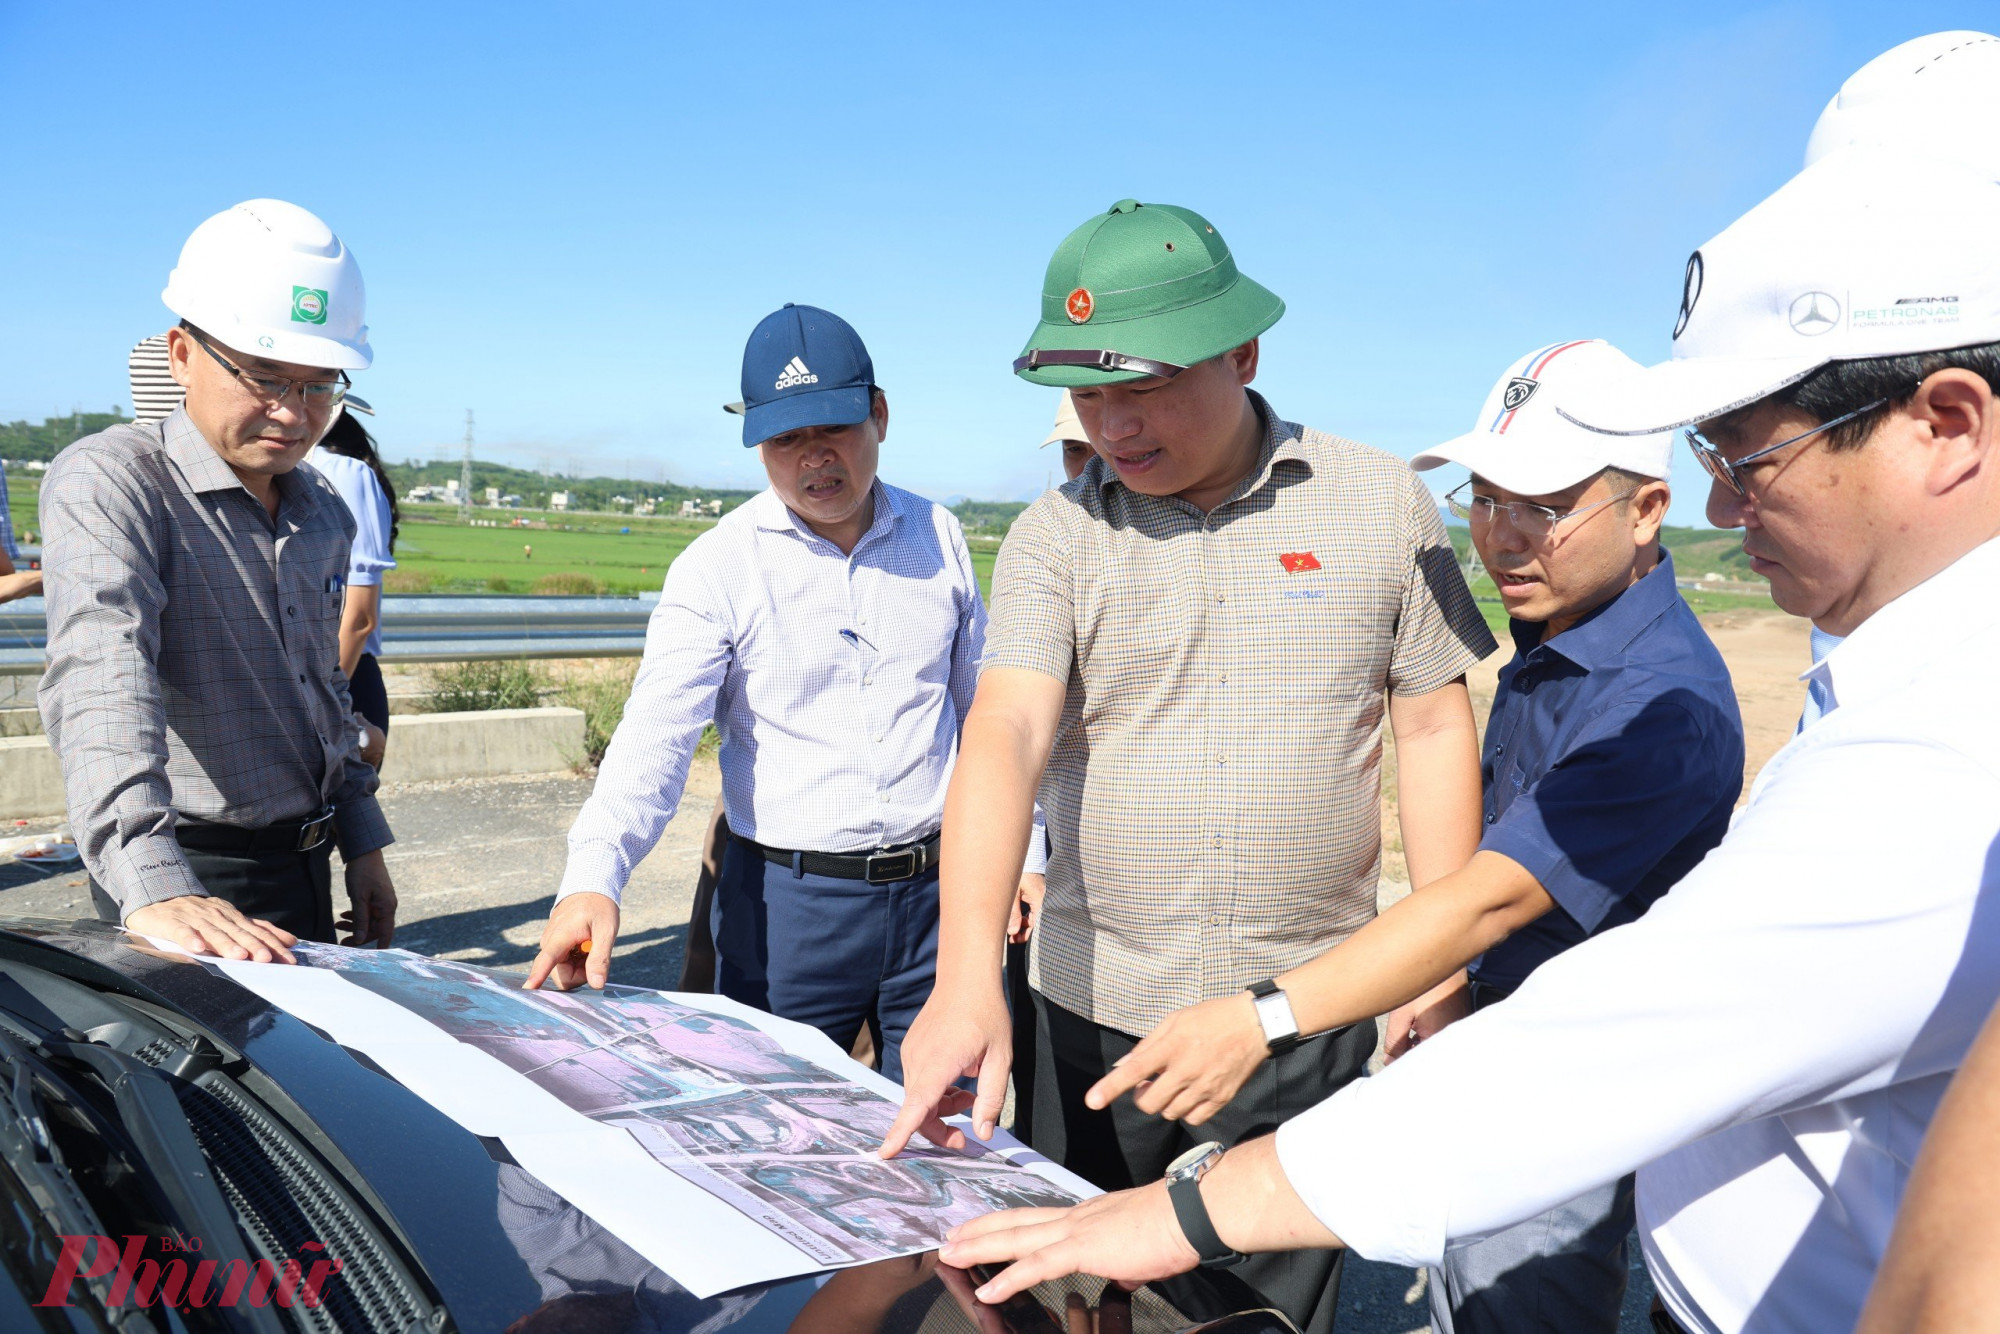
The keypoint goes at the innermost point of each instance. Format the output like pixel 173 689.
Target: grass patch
pixel 567 583
pixel 602 695
pixel 447 557
pixel 475 687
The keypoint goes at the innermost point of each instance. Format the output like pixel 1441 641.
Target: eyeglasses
pixel 1530 520
pixel 1731 474
pixel 319 395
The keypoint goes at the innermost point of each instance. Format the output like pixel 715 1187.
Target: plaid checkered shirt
pixel 1214 795
pixel 193 654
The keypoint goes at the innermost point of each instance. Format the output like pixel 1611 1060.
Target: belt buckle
pixel 315 831
pixel 906 860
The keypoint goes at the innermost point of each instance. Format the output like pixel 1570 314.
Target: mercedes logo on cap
pixel 1690 292
pixel 1815 313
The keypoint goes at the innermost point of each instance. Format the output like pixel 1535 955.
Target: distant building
pixel 559 500
pixel 493 496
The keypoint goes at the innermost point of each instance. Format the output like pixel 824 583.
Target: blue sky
pixel 570 217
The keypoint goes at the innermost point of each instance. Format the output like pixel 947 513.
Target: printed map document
pixel 726 1146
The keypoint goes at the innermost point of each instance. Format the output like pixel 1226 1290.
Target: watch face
pixel 1194 1160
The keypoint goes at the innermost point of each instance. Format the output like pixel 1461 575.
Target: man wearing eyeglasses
pixel 1769 1043
pixel 194 584
pixel 1614 755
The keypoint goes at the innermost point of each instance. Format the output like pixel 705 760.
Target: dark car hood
pixel 501 1251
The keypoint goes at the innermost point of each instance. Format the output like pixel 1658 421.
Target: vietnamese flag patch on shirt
pixel 1296 562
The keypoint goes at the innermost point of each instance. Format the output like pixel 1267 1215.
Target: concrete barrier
pixel 423 747
pixel 30 778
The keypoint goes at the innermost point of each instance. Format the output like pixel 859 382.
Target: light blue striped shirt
pixel 837 682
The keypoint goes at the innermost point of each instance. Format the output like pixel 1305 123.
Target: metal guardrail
pixel 436 628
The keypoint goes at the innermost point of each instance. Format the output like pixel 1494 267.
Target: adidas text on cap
pixel 1141 290
pixel 1857 256
pixel 802 367
pixel 1520 443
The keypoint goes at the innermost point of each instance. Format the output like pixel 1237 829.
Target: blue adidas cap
pixel 803 366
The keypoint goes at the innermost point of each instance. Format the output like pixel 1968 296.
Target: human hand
pixel 371 915
pixel 1131 1237
pixel 374 743
pixel 1192 1064
pixel 1027 906
pixel 576 943
pixel 1426 1016
pixel 20 584
pixel 961 1032
pixel 203 924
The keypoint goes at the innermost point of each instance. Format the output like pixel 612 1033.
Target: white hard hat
pixel 1067 426
pixel 1522 444
pixel 1938 96
pixel 1852 259
pixel 269 279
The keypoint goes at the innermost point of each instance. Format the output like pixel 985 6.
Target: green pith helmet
pixel 1144 289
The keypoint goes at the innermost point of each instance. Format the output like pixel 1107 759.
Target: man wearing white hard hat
pixel 1768 1043
pixel 195 582
pixel 1614 755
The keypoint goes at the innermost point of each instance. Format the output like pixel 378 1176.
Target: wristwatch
pixel 1184 1176
pixel 1274 1012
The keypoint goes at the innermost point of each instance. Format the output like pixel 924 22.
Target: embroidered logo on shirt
pixel 1298 562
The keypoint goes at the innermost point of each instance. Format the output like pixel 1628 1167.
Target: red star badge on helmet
pixel 1079 305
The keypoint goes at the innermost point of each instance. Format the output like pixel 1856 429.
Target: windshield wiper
pixel 163 1145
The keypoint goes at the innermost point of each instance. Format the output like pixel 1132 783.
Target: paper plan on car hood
pixel 724 1145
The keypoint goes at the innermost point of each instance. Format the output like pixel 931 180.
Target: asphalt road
pixel 476 864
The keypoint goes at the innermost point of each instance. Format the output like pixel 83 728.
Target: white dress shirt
pixel 836 682
pixel 1766 1046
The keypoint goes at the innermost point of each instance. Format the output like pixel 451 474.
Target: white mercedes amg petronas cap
pixel 1938 96
pixel 1863 254
pixel 1520 443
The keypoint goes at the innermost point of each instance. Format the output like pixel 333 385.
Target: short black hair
pixel 1839 387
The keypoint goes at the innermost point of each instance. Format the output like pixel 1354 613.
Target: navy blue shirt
pixel 1613 759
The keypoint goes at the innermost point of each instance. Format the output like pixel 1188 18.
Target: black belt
pixel 284 836
pixel 1483 994
pixel 905 861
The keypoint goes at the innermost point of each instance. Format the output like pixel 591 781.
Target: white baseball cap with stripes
pixel 1521 444
pixel 1857 256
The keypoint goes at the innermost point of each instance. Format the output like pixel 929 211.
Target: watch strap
pixel 1215 1253
pixel 1278 1043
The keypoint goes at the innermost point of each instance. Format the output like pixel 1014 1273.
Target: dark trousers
pixel 1027 1052
pixel 1121 1147
pixel 368 694
pixel 836 954
pixel 293 890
